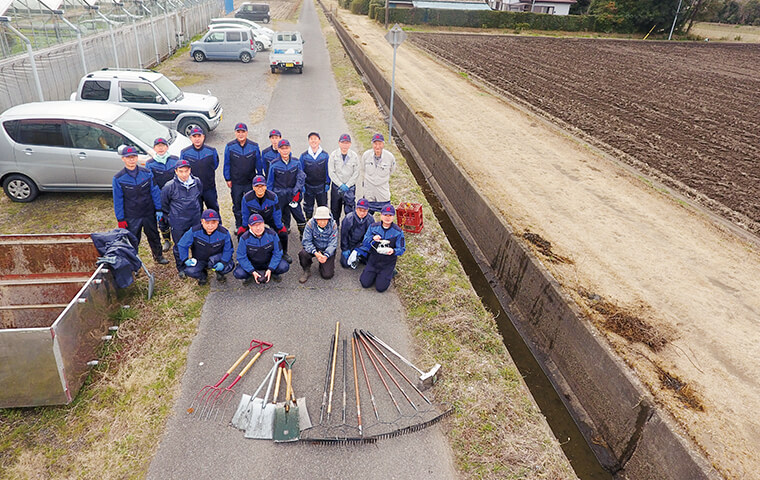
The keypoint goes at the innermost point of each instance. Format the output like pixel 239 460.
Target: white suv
pixel 153 94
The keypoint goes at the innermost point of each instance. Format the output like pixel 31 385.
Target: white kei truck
pixel 287 52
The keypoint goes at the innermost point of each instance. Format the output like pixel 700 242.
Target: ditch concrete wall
pixel 60 67
pixel 630 435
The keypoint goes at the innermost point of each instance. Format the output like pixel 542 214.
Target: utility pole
pixel 678 10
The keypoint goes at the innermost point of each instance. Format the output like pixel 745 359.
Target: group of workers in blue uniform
pixel 178 198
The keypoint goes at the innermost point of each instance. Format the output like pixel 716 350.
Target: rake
pixel 212 398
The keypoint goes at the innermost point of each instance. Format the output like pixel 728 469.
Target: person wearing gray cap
pixel 344 170
pixel 320 241
pixel 378 164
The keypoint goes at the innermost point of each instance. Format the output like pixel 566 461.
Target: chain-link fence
pixel 137 35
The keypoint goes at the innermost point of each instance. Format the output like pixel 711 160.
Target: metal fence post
pixel 79 38
pixel 35 73
pixel 152 30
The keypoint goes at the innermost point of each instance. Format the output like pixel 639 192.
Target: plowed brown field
pixel 689 112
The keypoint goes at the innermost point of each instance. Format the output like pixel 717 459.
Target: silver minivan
pixel 225 44
pixel 72 146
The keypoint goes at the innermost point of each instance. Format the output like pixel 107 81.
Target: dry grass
pixel 544 247
pixel 496 431
pixel 727 33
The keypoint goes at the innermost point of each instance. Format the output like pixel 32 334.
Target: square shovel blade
pixel 286 424
pixel 262 420
pixel 242 416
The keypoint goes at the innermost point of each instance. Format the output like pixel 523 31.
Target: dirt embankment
pixel 674 294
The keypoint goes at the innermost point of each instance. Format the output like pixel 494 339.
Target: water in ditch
pixel 583 460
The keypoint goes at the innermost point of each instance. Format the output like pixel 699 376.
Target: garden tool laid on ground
pixel 373 356
pixel 327 382
pixel 286 417
pixel 242 417
pixel 262 414
pixel 428 378
pixel 211 397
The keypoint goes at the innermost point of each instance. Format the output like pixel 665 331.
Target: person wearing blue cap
pixel 378 165
pixel 265 203
pixel 258 254
pixel 344 170
pixel 204 161
pixel 317 183
pixel 137 201
pixel 242 162
pixel 286 179
pixel 383 243
pixel 269 154
pixel 211 246
pixel 161 165
pixel 181 203
pixel 352 232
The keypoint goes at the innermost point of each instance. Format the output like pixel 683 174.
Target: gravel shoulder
pixel 635 246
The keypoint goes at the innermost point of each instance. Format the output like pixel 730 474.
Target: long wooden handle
pixel 238 362
pixel 332 371
pixel 250 364
pixel 288 377
pixel 277 385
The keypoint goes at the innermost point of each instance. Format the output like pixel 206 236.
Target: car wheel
pixel 300 70
pixel 266 20
pixel 199 56
pixel 187 124
pixel 20 188
pixel 245 57
pixel 259 46
pixel 274 70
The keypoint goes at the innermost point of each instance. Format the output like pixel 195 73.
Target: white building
pixel 551 7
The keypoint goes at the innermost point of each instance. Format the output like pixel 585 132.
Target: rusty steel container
pixel 55 306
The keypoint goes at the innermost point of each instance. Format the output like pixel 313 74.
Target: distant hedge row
pixel 484 18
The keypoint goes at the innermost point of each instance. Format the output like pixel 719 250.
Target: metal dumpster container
pixel 55 304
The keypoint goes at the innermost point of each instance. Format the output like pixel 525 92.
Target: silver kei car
pixel 72 146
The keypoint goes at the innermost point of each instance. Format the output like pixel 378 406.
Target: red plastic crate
pixel 409 217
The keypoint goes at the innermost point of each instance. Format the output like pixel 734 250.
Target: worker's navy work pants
pixel 308 201
pixel 177 232
pixel 209 199
pixel 326 270
pixel 199 269
pixel 342 202
pixel 378 272
pixel 148 224
pixel 237 192
pixel 241 274
pixel 287 210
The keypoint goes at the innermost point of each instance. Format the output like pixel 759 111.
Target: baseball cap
pixel 283 143
pixel 182 163
pixel 241 126
pixel 378 137
pixel 344 138
pixel 322 213
pixel 275 133
pixel 362 203
pixel 259 180
pixel 127 151
pixel 388 210
pixel 196 131
pixel 255 218
pixel 313 133
pixel 160 140
pixel 210 214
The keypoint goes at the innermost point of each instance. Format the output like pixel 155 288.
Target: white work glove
pixel 352 259
pixel 191 262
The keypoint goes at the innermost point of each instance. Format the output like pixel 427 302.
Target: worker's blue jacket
pixel 323 240
pixel 285 179
pixel 352 231
pixel 396 237
pixel 162 172
pixel 259 253
pixel 182 204
pixel 204 246
pixel 317 176
pixel 268 156
pixel 135 196
pixel 242 162
pixel 203 164
pixel 266 207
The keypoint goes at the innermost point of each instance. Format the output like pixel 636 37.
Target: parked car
pixel 154 95
pixel 287 52
pixel 228 44
pixel 243 22
pixel 72 146
pixel 256 12
pixel 260 39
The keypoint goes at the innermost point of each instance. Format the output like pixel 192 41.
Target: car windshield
pixel 143 127
pixel 167 87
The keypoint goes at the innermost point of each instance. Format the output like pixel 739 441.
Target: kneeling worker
pixel 265 203
pixel 211 246
pixel 383 243
pixel 352 232
pixel 320 240
pixel 259 254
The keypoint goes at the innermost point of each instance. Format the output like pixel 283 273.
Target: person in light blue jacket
pixel 320 241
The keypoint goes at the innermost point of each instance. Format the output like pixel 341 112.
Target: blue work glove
pixel 159 215
pixel 343 188
pixel 191 262
pixel 327 188
pixel 218 267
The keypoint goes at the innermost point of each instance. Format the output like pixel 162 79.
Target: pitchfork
pixel 211 397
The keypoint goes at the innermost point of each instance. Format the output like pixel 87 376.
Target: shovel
pixel 262 412
pixel 286 421
pixel 242 417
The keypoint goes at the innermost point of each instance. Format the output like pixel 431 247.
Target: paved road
pixel 299 319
